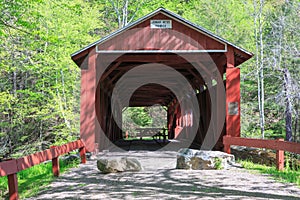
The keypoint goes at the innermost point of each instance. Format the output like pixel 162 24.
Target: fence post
pixel 227 148
pixel 280 158
pixel 82 152
pixel 226 145
pixel 13 186
pixel 55 164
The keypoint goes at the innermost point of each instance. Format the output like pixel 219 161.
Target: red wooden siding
pixel 87 104
pixel 180 37
pixel 232 96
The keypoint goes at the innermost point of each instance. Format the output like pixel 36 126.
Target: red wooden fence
pixel 279 145
pixel 10 168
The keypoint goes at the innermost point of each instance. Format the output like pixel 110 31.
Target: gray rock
pixel 200 159
pixel 113 165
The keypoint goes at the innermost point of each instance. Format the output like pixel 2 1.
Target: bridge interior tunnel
pixel 181 83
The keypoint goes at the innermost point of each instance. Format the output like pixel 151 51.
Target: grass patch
pixel 34 179
pixel 218 163
pixel 287 175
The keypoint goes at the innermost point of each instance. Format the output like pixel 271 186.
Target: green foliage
pixel 135 117
pixel 140 116
pixel 218 163
pixel 40 84
pixel 287 175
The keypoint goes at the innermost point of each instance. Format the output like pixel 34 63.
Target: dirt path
pixel 160 180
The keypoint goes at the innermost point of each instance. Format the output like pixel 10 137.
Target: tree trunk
pixel 261 67
pixel 258 31
pixel 296 129
pixel 125 13
pixel 15 83
pixel 288 101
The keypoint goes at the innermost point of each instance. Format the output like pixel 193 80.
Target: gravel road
pixel 160 180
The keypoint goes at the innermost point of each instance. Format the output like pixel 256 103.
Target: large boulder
pixel 200 159
pixel 113 165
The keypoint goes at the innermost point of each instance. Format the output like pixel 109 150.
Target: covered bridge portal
pixel 161 59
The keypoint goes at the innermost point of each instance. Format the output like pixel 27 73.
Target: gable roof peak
pixel 169 14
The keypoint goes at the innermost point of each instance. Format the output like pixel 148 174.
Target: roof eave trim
pixel 170 14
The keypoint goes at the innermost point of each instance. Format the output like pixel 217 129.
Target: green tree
pixel 283 44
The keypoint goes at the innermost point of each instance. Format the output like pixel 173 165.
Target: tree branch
pixel 13 27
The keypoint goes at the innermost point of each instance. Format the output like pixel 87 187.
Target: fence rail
pixel 279 145
pixel 10 168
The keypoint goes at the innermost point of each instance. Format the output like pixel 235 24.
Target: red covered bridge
pixel 161 59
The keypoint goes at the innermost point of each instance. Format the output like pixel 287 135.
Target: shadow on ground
pixel 160 180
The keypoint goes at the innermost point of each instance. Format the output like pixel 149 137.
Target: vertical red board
pixel 55 166
pixel 13 186
pixel 233 97
pixel 99 113
pixel 87 104
pixel 280 158
pixel 82 152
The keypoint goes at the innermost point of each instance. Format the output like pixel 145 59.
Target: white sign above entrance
pixel 160 23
